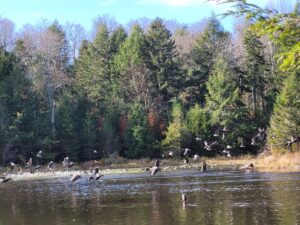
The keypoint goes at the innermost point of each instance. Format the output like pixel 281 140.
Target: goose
pixel 223 136
pixel 171 154
pixel 29 163
pixel 247 166
pixel 198 139
pixel 292 141
pixel 12 165
pixel 98 176
pixel 184 199
pixel 51 166
pixel 254 141
pixel 67 164
pixel 226 153
pixel 153 170
pixel 75 177
pixel 209 146
pixel 5 179
pixel 187 152
pixel 225 129
pixel 204 165
pixel 157 163
pixel 196 157
pixel 242 143
pixel 217 133
pixel 39 154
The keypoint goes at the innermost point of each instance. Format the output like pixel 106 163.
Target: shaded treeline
pixel 147 91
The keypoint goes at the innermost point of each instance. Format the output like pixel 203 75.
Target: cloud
pixel 178 3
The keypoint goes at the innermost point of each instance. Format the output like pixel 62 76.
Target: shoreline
pixel 262 163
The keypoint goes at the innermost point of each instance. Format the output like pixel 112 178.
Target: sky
pixel 85 11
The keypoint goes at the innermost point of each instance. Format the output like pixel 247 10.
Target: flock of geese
pixel 185 154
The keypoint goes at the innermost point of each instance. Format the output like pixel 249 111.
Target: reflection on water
pixel 213 198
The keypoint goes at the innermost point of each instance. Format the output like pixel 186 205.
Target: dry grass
pixel 275 163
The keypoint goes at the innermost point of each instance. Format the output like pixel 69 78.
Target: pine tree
pixel 118 36
pixel 166 75
pixel 139 139
pixel 93 67
pixel 223 104
pixel 133 78
pixel 206 48
pixel 255 80
pixel 285 120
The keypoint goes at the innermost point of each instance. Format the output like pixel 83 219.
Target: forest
pixel 149 88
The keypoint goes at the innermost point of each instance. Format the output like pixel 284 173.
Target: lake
pixel 220 197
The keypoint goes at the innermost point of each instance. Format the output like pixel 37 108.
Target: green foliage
pixel 176 130
pixel 139 138
pixel 285 121
pixel 222 95
pixel 206 48
pixel 223 103
pixel 162 61
pixel 67 136
pixel 93 66
pixel 196 121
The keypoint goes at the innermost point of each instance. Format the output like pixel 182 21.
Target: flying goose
pixel 209 146
pixel 75 177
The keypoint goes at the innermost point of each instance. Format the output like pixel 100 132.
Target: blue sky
pixel 84 11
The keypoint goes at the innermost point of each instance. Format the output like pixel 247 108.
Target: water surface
pixel 229 197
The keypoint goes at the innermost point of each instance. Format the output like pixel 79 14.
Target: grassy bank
pixel 289 162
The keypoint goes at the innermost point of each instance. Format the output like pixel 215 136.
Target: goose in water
pixel 75 177
pixel 95 175
pixel 184 199
pixel 247 166
pixel 154 169
pixel 67 164
pixel 204 165
pixel 5 179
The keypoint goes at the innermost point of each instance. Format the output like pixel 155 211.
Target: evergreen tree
pixel 166 76
pixel 255 79
pixel 68 144
pixel 285 120
pixel 223 104
pixel 206 48
pixel 118 36
pixel 139 139
pixel 93 67
pixel 133 77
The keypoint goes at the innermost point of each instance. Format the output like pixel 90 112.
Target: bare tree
pixel 7 29
pixel 45 55
pixel 106 20
pixel 75 35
